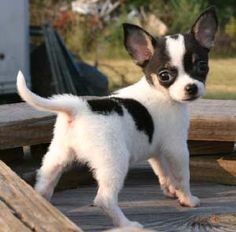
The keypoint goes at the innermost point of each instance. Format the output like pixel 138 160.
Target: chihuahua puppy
pixel 145 121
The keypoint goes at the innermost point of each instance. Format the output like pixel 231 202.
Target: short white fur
pixel 110 143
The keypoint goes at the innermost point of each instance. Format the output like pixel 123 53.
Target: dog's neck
pixel 148 95
pixel 164 111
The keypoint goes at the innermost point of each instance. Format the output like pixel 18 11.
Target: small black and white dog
pixel 145 121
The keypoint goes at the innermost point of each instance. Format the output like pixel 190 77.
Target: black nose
pixel 191 89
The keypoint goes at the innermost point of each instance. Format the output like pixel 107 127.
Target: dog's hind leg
pixel 54 162
pixel 110 176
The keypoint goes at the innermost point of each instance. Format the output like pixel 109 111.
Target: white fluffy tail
pixel 54 104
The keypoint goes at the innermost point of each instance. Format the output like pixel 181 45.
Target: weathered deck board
pixel 9 222
pixel 27 208
pixel 211 120
pixel 142 200
pixel 197 147
pixel 19 124
pixel 217 169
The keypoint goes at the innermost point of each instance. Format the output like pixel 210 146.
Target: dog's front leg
pixel 177 157
pixel 161 169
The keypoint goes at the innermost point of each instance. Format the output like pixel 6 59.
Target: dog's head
pixel 177 64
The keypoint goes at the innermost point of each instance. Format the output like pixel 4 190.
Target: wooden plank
pixel 213 120
pixel 143 201
pixel 20 124
pixel 217 169
pixel 34 211
pixel 9 222
pixel 210 147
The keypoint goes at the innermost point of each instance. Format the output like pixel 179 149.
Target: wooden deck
pixel 24 210
pixel 212 137
pixel 142 200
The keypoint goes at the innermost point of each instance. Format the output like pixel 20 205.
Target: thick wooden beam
pixel 216 169
pixel 213 120
pixel 27 207
pixel 209 147
pixel 20 124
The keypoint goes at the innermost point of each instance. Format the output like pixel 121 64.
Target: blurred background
pixel 86 39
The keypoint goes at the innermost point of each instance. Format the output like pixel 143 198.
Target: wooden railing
pixel 211 120
pixel 212 131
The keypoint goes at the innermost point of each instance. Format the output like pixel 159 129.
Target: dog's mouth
pixel 189 99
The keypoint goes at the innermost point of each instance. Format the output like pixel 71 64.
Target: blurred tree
pixel 230 28
pixel 91 35
pixel 184 13
pixel 225 9
pixel 44 11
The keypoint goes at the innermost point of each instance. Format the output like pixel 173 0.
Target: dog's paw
pixel 169 192
pixel 191 201
pixel 47 194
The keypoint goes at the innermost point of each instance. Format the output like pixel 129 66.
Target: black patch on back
pixel 105 106
pixel 195 59
pixel 139 113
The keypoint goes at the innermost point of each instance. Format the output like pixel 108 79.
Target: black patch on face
pixel 160 62
pixel 139 113
pixel 176 36
pixel 195 59
pixel 105 106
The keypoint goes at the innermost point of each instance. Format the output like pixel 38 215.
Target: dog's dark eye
pixel 202 67
pixel 165 76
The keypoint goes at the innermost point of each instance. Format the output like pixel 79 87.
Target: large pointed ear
pixel 139 43
pixel 205 27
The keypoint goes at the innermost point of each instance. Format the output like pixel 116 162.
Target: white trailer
pixel 14 43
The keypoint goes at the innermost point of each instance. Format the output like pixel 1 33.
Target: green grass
pixel 221 83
